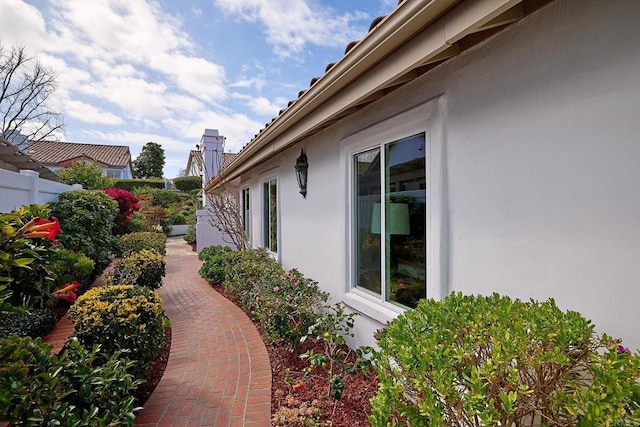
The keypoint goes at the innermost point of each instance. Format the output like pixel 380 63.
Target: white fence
pixel 26 187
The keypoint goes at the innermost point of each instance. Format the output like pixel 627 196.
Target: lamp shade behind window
pixel 397 216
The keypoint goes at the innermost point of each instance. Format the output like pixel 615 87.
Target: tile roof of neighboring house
pixel 56 153
pixel 195 158
pixel 227 158
pixel 12 158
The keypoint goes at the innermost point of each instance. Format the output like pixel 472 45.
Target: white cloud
pixel 292 24
pixel 263 107
pixel 21 23
pixel 90 114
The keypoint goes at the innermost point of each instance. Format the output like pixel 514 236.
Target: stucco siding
pixel 542 152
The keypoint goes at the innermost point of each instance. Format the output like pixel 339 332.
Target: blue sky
pixel 134 71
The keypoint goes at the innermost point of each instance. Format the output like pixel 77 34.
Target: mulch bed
pixel 298 399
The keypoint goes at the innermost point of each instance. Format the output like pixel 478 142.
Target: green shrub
pixel 214 265
pixel 135 242
pixel 179 218
pixel 26 249
pixel 190 236
pixel 188 183
pixel 132 184
pixel 160 196
pixel 35 323
pixel 67 266
pixel 487 361
pixel 38 388
pixel 89 175
pixel 144 268
pixel 285 304
pixel 121 317
pixel 87 218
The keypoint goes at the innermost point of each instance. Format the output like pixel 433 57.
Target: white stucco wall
pixel 542 152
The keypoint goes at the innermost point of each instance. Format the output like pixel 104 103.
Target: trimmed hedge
pixel 188 183
pixel 121 318
pixel 135 242
pixel 131 184
pixel 144 268
pixel 489 361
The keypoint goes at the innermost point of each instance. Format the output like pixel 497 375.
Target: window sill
pixel 371 306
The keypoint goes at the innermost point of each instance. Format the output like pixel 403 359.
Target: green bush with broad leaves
pixel 285 303
pixel 79 387
pixel 27 240
pixel 89 175
pixel 188 183
pixel 87 218
pixel 123 318
pixel 67 266
pixel 143 268
pixel 135 242
pixel 488 361
pixel 214 265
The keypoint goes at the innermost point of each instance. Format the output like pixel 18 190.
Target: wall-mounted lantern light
pixel 301 168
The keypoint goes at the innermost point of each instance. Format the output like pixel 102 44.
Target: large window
pixel 246 213
pixel 270 215
pixel 390 220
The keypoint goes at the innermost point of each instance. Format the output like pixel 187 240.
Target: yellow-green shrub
pixel 121 317
pixel 144 268
pixel 135 242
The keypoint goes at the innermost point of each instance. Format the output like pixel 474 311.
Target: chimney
pixel 212 147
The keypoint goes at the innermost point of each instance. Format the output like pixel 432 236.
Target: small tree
pixel 150 162
pixel 88 174
pixel 224 215
pixel 25 87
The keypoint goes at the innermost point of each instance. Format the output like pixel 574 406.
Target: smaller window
pixel 114 173
pixel 270 215
pixel 246 213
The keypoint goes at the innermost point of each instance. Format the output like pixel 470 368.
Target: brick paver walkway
pixel 218 373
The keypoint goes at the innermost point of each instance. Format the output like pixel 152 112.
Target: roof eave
pixel 439 24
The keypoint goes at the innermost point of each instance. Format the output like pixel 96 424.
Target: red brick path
pixel 218 372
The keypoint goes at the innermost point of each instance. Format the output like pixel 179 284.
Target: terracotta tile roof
pixel 56 153
pixel 227 158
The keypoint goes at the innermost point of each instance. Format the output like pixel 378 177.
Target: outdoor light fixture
pixel 301 168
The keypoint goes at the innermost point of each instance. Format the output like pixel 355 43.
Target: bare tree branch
pixel 24 98
pixel 224 213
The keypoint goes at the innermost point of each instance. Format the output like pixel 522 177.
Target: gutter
pixel 445 22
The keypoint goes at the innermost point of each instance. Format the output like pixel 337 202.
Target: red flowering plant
pixel 27 242
pixel 128 204
pixel 67 292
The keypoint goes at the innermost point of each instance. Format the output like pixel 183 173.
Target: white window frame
pixel 425 118
pixel 265 224
pixel 246 212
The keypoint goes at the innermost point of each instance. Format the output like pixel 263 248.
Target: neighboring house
pixel 195 162
pixel 475 146
pixel 24 181
pixel 115 160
